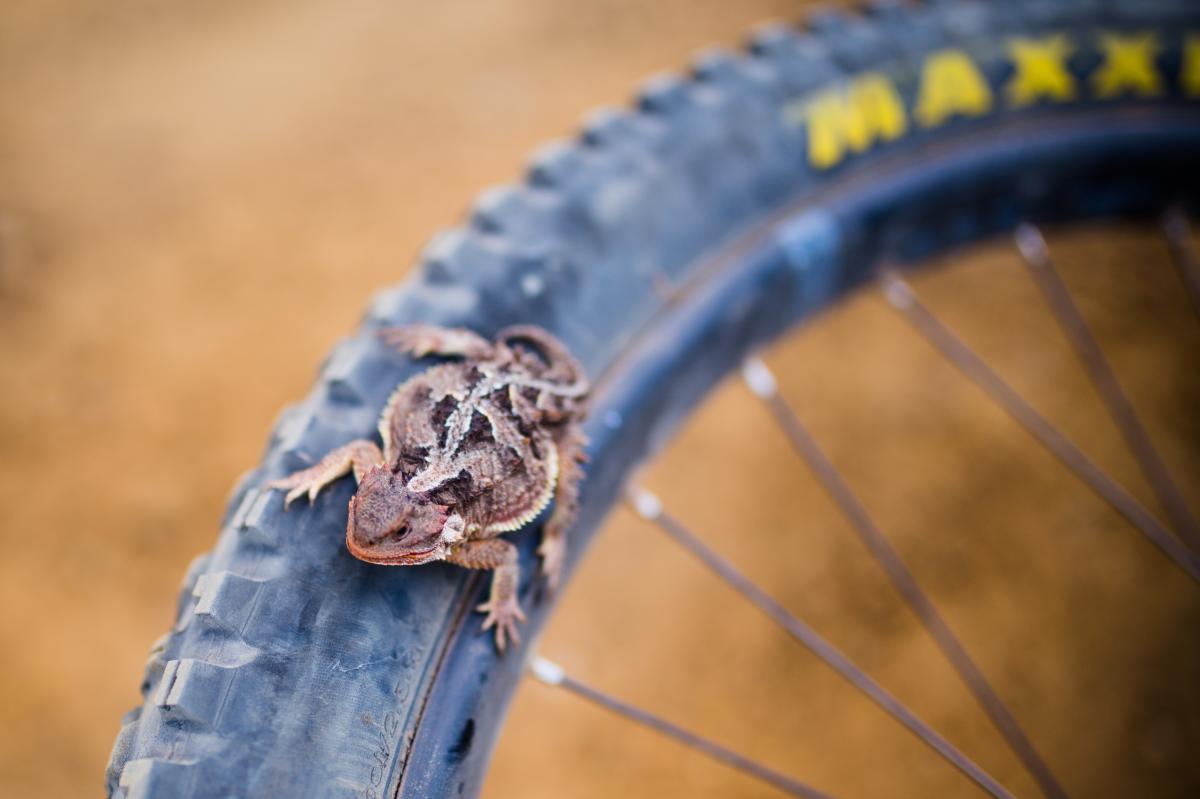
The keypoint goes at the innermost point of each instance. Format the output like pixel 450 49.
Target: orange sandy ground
pixel 197 198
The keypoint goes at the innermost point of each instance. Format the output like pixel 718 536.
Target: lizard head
pixel 391 525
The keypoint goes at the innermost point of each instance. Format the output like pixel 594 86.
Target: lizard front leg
pixel 502 609
pixel 359 456
pixel 553 548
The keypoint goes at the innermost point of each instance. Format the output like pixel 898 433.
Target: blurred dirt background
pixel 196 199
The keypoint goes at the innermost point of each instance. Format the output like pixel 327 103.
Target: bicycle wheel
pixel 663 246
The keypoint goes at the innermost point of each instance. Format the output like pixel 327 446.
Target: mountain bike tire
pixel 663 245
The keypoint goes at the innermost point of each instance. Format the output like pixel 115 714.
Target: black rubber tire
pixel 295 670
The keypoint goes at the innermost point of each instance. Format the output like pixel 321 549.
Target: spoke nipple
pixel 1031 243
pixel 647 505
pixel 897 292
pixel 759 378
pixel 547 671
pixel 1175 223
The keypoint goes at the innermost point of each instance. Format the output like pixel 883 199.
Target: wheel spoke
pixel 901 296
pixel 650 508
pixel 762 383
pixel 1179 236
pixel 1033 249
pixel 554 675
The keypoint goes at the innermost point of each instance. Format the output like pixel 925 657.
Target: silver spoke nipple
pixel 647 505
pixel 897 292
pixel 1031 243
pixel 1175 222
pixel 547 671
pixel 759 378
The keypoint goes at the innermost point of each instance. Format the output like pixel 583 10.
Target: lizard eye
pixel 400 531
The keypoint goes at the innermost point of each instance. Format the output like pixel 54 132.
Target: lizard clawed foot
pixel 306 481
pixel 357 456
pixel 417 339
pixel 422 340
pixel 553 551
pixel 503 615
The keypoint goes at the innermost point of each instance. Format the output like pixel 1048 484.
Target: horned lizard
pixel 472 448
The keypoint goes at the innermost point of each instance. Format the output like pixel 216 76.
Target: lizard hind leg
pixel 357 456
pixel 553 548
pixel 562 367
pixel 422 340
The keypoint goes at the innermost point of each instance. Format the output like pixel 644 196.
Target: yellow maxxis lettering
pixel 852 118
pixel 1190 75
pixel 1040 71
pixel 1128 66
pixel 868 109
pixel 950 85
